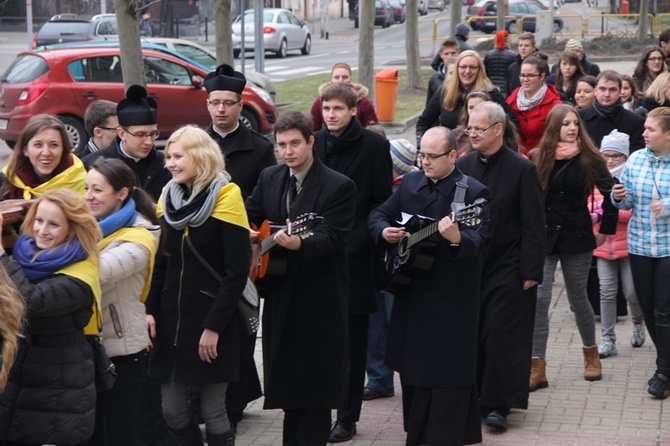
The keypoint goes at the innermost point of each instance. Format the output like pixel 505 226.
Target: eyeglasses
pixel 151 135
pixel 613 157
pixel 226 104
pixel 477 130
pixel 529 76
pixel 431 156
pixel 655 59
pixel 468 67
pixel 111 129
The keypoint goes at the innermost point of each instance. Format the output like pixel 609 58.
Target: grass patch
pixel 300 93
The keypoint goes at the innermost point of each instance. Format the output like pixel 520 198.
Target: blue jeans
pixel 380 376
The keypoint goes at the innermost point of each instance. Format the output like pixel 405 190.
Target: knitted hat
pixel 225 78
pixel 616 141
pixel 462 29
pixel 501 39
pixel 403 155
pixel 574 45
pixel 137 108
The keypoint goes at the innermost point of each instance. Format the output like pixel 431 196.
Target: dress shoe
pixel 497 419
pixel 372 394
pixel 342 432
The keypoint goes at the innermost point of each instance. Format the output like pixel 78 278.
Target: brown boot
pixel 538 374
pixel 592 367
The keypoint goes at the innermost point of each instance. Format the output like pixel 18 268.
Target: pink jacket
pixel 615 246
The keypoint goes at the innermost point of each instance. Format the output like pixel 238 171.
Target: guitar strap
pixel 459 195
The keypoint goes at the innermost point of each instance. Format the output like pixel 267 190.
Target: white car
pixel 282 32
pixel 205 57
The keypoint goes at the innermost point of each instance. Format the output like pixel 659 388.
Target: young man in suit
pixel 364 156
pixel 305 313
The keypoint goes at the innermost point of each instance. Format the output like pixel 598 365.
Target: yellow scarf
pixel 72 178
pixel 228 207
pixel 87 271
pixel 143 237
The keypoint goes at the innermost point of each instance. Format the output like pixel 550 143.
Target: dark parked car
pixel 527 9
pixel 399 11
pixel 383 14
pixel 65 81
pixel 63 28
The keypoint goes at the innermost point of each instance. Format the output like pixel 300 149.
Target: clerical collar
pixel 435 181
pixel 223 135
pixel 300 176
pixel 124 153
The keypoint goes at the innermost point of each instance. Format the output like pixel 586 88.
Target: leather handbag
pixel 247 306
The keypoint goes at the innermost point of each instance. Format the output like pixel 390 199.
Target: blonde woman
pixel 192 314
pixel 11 309
pixel 657 95
pixel 50 396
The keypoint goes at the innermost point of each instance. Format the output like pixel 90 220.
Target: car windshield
pixel 56 29
pixel 25 68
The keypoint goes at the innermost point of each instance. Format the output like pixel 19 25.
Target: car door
pixel 297 31
pixel 284 29
pixel 96 77
pixel 179 102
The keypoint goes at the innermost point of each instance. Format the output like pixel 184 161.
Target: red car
pixel 65 81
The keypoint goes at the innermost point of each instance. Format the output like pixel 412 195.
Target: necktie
pixel 292 190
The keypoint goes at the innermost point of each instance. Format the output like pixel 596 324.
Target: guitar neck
pixel 267 244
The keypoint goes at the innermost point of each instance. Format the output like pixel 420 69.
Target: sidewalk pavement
pixel 616 411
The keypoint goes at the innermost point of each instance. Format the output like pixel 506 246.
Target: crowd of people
pixel 434 260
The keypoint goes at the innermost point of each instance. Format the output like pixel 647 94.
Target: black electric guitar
pixel 416 250
pixel 261 263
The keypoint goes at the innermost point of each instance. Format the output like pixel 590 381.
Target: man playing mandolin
pixel 305 315
pixel 438 310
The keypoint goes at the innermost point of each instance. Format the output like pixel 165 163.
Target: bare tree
pixel 224 40
pixel 129 42
pixel 412 52
pixel 366 43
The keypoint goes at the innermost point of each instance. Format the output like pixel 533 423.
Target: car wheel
pixel 236 53
pixel 281 53
pixel 511 28
pixel 557 26
pixel 356 23
pixel 307 47
pixel 76 131
pixel 249 119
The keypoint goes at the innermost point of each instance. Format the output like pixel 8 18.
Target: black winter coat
pixel 50 396
pixel 151 172
pixel 435 83
pixel 247 153
pixel 647 105
pixel 432 339
pixel 623 120
pixel 185 299
pixel 496 63
pixel 306 310
pixel 569 226
pixel 363 156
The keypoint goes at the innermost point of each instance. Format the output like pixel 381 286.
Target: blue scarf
pixel 39 264
pixel 123 218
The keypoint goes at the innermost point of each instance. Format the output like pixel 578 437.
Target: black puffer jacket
pixel 496 63
pixel 50 396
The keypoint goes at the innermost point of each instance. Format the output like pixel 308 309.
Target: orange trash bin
pixel 624 7
pixel 387 94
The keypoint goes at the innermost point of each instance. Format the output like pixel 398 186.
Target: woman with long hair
pixel 11 316
pixel 630 95
pixel 192 308
pixel 585 92
pixel 565 79
pixel 445 107
pixel 50 396
pixel 649 66
pixel 645 188
pixel 532 102
pixel 569 167
pixel 657 95
pixel 42 160
pixel 130 228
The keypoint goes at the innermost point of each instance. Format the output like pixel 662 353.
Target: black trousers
pixel 118 409
pixel 350 411
pixel 306 427
pixel 652 285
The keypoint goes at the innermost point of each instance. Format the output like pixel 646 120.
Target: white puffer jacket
pixel 123 270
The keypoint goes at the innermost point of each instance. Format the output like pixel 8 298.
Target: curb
pixel 397 127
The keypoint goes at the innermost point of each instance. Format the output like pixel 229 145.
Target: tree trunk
pixel 129 43
pixel 643 29
pixel 224 38
pixel 167 19
pixel 412 52
pixel 366 60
